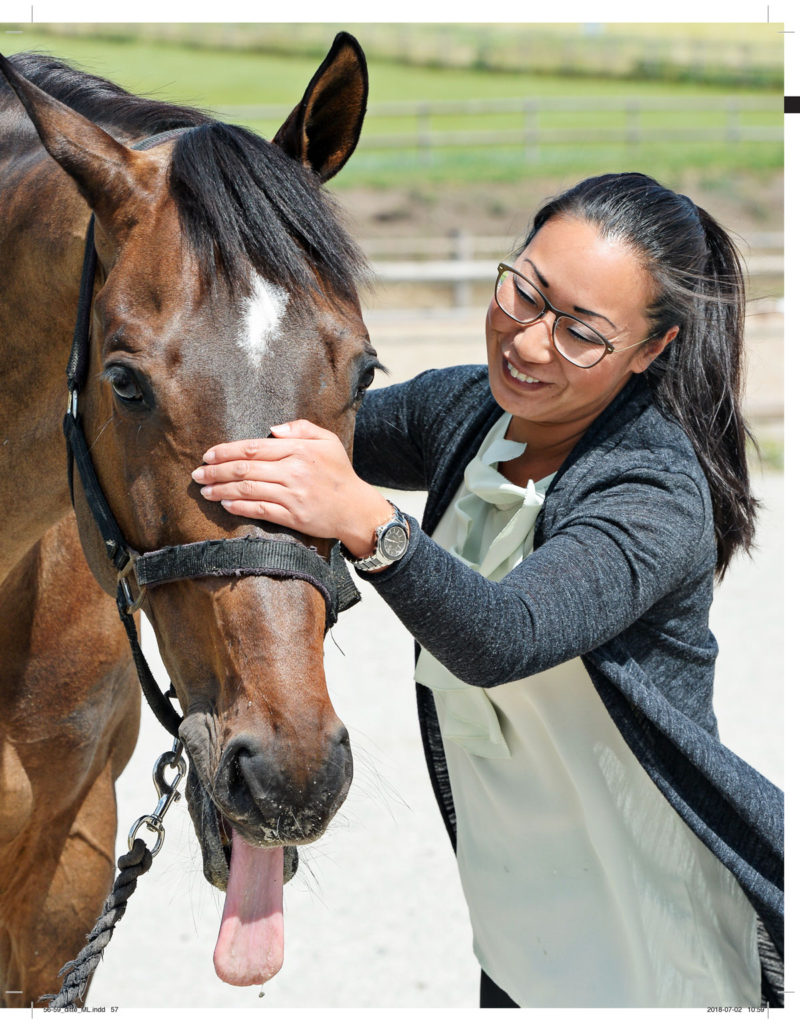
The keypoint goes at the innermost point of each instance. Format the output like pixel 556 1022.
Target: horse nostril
pixel 267 787
pixel 242 778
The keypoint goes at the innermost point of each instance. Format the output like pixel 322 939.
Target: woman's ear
pixel 652 349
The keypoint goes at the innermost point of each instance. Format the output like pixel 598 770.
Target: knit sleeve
pixel 623 546
pixel 387 451
pixel 403 432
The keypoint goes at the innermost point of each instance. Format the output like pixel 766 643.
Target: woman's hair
pixel 697 379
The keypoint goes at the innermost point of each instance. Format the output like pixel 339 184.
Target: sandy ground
pixel 375 916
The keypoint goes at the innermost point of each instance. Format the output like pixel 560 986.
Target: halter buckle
pixel 123 583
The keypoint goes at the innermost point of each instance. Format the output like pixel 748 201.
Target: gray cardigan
pixel 621 575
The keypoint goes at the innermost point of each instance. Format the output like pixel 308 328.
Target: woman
pixel 585 487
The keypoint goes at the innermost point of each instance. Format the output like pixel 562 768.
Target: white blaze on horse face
pixel 264 310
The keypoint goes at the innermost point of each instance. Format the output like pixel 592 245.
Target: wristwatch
pixel 391 543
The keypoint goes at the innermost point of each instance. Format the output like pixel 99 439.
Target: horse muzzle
pixel 270 794
pixel 262 791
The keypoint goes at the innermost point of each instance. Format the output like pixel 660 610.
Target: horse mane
pixel 243 203
pixel 104 102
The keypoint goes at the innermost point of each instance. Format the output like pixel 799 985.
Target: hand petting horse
pixel 224 300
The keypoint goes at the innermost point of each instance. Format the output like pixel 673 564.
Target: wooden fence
pixel 542 122
pixel 461 260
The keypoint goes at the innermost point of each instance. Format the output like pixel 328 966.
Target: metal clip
pixel 167 795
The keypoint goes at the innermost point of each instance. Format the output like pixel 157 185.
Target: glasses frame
pixel 608 347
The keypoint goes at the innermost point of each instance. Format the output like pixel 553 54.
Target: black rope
pixel 78 972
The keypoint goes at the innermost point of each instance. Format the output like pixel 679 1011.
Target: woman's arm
pixel 386 450
pixel 623 546
pixel 623 549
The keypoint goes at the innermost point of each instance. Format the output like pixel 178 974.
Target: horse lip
pixel 215 832
pixel 210 829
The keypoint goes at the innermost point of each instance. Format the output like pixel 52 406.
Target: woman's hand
pixel 300 478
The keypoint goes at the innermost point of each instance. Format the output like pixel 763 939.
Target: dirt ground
pixel 743 203
pixel 415 323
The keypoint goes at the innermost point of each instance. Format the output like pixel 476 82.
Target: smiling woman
pixel 584 487
pixel 548 368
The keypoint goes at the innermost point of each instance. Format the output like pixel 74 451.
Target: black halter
pixel 236 556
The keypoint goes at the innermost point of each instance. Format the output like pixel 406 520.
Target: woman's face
pixel 598 281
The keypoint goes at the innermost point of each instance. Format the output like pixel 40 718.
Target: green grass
pixel 227 78
pixel 213 78
pixel 727 53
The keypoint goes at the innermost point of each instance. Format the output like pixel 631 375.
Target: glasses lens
pixel 517 297
pixel 577 342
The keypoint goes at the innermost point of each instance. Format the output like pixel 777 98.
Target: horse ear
pixel 102 168
pixel 323 129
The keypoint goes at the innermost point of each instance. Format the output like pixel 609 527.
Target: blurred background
pixel 469 128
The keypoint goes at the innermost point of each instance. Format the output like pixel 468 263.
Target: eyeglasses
pixel 576 341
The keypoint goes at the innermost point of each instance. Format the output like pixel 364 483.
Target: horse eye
pixel 367 377
pixel 124 383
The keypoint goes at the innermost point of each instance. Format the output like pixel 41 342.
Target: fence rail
pixel 462 244
pixel 461 260
pixel 741 119
pixel 522 104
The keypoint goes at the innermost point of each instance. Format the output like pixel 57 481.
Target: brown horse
pixel 224 301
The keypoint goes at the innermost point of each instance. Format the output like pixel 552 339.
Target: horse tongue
pixel 249 947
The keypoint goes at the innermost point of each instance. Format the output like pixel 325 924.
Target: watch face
pixel 394 542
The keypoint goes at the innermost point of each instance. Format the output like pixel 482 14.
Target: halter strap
pixel 78 365
pixel 252 556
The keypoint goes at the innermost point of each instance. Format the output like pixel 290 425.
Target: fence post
pixel 531 108
pixel 732 127
pixel 462 250
pixel 424 140
pixel 633 125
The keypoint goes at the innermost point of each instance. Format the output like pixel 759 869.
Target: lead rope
pixel 131 865
pixel 78 971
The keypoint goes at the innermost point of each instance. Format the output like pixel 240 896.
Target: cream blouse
pixel 584 886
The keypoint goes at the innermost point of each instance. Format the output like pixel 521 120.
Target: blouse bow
pixel 489 526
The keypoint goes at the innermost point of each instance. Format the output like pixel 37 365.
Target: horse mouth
pixel 215 835
pixel 250 946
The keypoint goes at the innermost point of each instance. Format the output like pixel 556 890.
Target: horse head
pixel 225 301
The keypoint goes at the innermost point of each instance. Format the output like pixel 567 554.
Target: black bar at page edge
pixel 791 104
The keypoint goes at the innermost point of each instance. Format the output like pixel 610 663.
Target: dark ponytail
pixel 698 378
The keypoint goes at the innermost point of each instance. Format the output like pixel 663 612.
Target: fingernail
pixel 198 474
pixel 281 428
pixel 205 491
pixel 210 455
pixel 226 504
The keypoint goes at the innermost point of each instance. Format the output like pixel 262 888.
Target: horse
pixel 223 298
